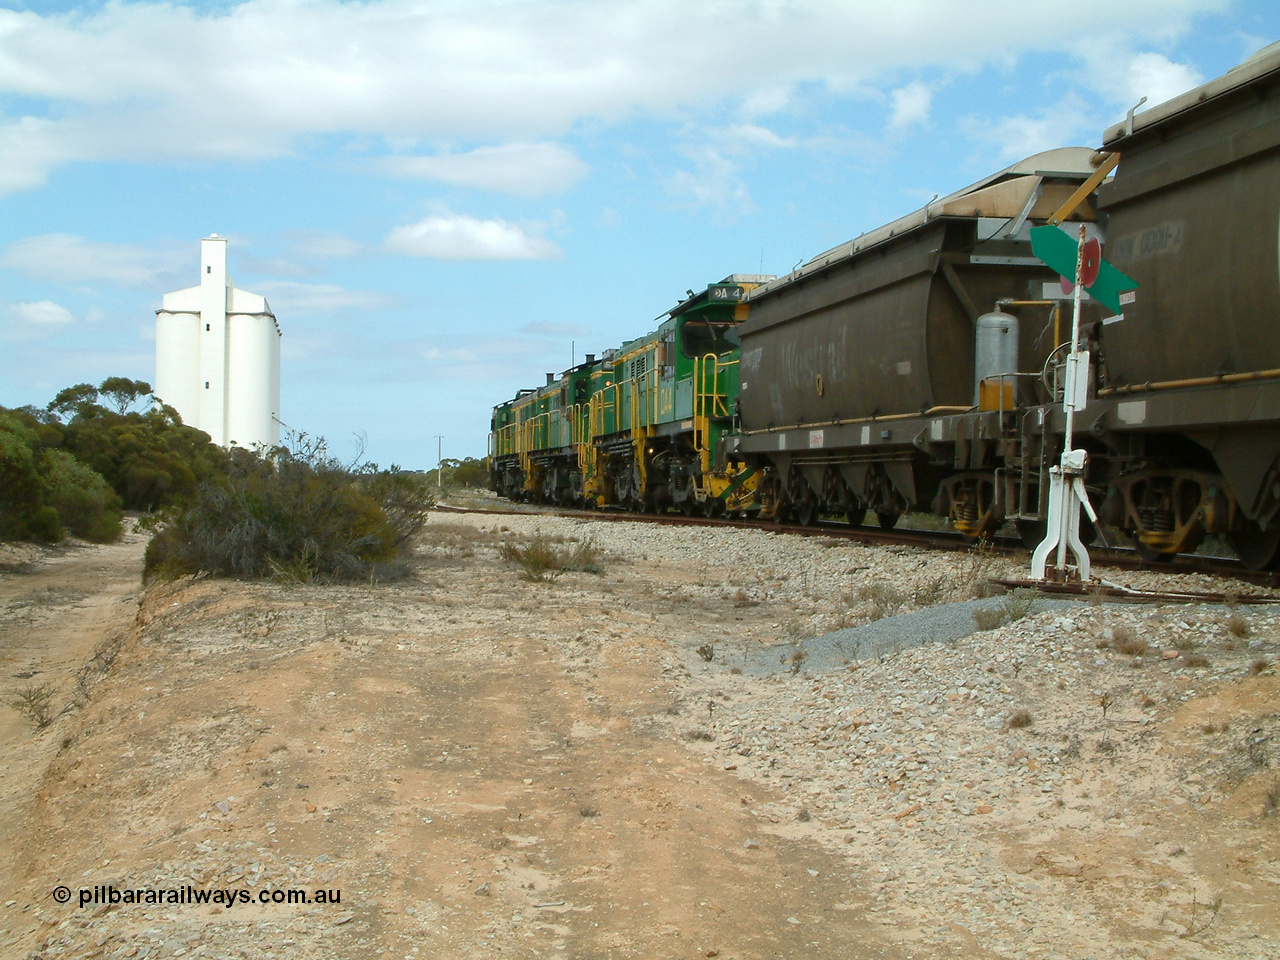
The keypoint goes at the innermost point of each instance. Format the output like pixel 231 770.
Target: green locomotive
pixel 641 426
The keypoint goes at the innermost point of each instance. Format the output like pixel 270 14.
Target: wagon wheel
pixel 1257 549
pixel 1150 554
pixel 711 507
pixel 856 515
pixel 807 512
pixel 687 506
pixel 888 520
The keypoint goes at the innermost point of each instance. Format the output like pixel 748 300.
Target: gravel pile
pixel 880 638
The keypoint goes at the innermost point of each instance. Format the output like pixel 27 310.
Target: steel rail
pixel 1124 559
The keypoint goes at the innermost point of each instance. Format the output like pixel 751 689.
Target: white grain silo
pixel 218 356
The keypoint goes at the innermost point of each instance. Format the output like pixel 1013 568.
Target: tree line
pixel 293 512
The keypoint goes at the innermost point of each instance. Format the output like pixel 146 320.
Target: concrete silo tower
pixel 218 356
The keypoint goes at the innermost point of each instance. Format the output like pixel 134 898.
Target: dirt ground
pixel 467 764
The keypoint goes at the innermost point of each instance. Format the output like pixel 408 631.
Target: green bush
pixel 44 491
pixel 85 503
pixel 46 525
pixel 293 516
pixel 20 488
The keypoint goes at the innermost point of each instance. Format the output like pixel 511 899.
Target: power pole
pixel 439 464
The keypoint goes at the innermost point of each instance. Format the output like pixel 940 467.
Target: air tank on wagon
pixel 882 329
pixel 1192 391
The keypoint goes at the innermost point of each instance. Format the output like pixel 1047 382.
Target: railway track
pixel 1122 558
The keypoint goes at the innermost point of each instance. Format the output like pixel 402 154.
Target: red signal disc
pixel 1090 262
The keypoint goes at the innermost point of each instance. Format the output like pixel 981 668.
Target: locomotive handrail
pixel 700 393
pixel 886 417
pixel 1127 388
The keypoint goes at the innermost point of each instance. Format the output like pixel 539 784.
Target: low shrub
pixel 542 560
pixel 35 703
pixel 292 515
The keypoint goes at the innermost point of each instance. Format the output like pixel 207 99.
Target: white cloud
pixel 450 356
pixel 28 150
pixel 323 246
pixel 911 105
pixel 288 297
pixel 66 258
pixel 714 182
pixel 524 169
pixel 460 237
pixel 546 328
pixel 163 81
pixel 745 136
pixel 1020 136
pixel 271 266
pixel 41 313
pixel 1117 70
pixel 1157 78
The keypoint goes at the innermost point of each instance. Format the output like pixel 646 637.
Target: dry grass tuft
pixel 1126 640
pixel 1018 719
pixel 1012 607
pixel 544 558
pixel 1258 666
pixel 1197 660
pixel 886 599
pixel 977 567
pixel 1238 626
pixel 931 593
pixel 988 618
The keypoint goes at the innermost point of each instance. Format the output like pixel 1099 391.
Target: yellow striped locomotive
pixel 642 426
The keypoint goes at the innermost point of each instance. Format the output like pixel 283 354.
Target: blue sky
pixel 439 198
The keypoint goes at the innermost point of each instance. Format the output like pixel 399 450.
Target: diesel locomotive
pixel 919 366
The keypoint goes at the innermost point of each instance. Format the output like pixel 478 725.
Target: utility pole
pixel 439 464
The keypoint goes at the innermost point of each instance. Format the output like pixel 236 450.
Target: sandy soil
pixel 483 766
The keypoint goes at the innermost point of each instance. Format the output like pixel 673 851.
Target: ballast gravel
pixel 1079 782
